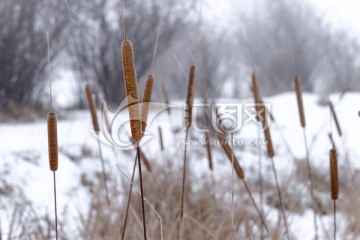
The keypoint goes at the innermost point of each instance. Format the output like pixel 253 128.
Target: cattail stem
pixel 142 191
pixel 260 176
pixel 334 219
pixel 183 188
pixel 55 205
pixel 311 181
pixel 129 199
pixel 232 188
pixel 281 203
pixel 104 177
pixel 256 207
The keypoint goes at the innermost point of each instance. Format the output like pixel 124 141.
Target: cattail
pixel 190 97
pixel 166 98
pixel 145 161
pixel 92 108
pixel 262 110
pixel 230 155
pixel 52 140
pixel 146 101
pixel 334 178
pixel 297 86
pixel 333 113
pixel 131 89
pixel 161 139
pixel 208 150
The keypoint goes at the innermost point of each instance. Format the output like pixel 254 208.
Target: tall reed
pixel 300 104
pixel 240 173
pixel 92 109
pixel 334 182
pixel 52 138
pixel 188 120
pixel 270 151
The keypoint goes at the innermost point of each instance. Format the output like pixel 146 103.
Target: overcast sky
pixel 341 14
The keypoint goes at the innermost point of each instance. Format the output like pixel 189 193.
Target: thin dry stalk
pixel 297 85
pixel 208 150
pixel 334 115
pixel 145 161
pixel 270 150
pixel 128 202
pixel 145 105
pixel 188 120
pixel 92 110
pixel 239 171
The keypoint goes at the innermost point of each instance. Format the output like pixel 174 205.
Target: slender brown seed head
pixel 131 89
pixel 92 108
pixel 146 101
pixel 166 98
pixel 190 97
pixel 334 177
pixel 161 139
pixel 208 150
pixel 297 86
pixel 229 153
pixel 52 140
pixel 260 108
pixel 333 113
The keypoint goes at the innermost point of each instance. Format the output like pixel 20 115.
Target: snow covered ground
pixel 24 167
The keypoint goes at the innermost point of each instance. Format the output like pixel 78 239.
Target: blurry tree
pixel 285 37
pixel 97 37
pixel 23 46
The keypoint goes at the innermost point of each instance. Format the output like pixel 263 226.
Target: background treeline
pixel 277 40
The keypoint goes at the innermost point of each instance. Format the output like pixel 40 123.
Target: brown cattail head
pixel 145 105
pixel 92 108
pixel 208 150
pixel 334 177
pixel 260 108
pixel 52 140
pixel 297 86
pixel 131 89
pixel 231 156
pixel 190 97
pixel 161 139
pixel 333 113
pixel 166 98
